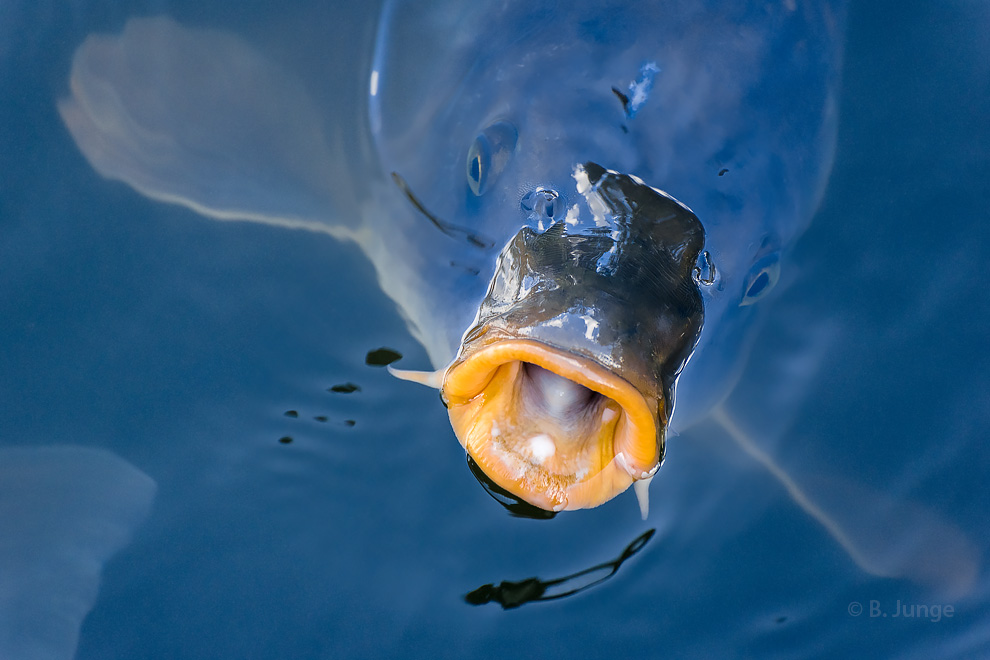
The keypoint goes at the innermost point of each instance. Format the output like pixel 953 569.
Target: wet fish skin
pixel 740 88
pixel 623 296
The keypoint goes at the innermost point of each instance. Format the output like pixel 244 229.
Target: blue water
pixel 179 344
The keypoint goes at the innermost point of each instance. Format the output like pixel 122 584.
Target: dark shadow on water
pixel 381 357
pixel 345 388
pixel 513 594
pixel 516 506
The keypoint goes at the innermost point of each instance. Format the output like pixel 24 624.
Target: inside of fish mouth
pixel 543 391
pixel 556 429
pixel 552 422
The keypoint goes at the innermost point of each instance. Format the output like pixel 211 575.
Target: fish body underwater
pixel 508 191
pixel 727 107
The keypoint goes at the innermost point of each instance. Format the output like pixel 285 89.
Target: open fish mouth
pixel 562 389
pixel 555 429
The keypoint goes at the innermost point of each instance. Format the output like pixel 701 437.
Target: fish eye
pixel 489 154
pixel 762 278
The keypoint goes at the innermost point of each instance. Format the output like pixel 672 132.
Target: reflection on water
pixel 172 348
pixel 514 594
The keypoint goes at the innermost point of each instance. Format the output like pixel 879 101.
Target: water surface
pixel 178 344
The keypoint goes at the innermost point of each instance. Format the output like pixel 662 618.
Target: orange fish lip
pixel 629 449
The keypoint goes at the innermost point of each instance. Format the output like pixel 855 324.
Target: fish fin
pixel 199 118
pixel 642 488
pixel 795 492
pixel 883 536
pixel 432 379
pixel 64 511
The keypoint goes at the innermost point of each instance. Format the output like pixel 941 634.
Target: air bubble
pixel 704 270
pixel 542 204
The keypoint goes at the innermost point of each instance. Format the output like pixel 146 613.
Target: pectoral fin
pixel 199 118
pixel 883 536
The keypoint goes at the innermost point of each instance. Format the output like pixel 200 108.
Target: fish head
pixel 562 389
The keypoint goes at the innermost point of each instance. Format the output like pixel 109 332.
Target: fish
pixel 510 206
pixel 659 191
pixel 581 217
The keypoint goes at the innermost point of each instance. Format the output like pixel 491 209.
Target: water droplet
pixel 542 204
pixel 704 270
